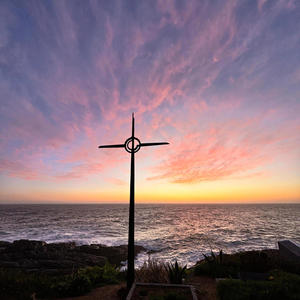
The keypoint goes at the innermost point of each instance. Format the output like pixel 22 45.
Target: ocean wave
pixel 169 232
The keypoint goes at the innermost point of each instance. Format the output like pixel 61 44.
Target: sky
pixel 218 80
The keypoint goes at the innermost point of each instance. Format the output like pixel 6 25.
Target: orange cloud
pixel 232 149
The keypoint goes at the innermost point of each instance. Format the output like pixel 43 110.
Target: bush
pixel 175 273
pixel 152 271
pixel 75 285
pixel 230 265
pixel 282 286
pixel 204 268
pixel 101 275
pixel 79 285
pixel 83 280
pixel 255 261
pixel 95 274
pixel 221 265
pixel 110 273
pixel 22 285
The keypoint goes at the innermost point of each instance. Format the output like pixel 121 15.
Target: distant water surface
pixel 181 231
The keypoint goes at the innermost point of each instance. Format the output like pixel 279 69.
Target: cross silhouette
pixel 130 147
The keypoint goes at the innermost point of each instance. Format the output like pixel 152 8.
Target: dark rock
pixel 61 247
pixel 289 250
pixel 61 258
pixel 9 264
pixel 4 244
pixel 57 264
pixel 114 254
pixel 28 263
pixel 254 276
pixel 28 244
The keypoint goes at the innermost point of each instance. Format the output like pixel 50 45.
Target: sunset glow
pixel 218 80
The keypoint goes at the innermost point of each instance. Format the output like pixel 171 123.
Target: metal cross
pixel 131 148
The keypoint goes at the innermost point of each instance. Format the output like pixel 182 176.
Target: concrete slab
pixel 289 250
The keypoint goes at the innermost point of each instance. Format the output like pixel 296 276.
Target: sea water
pixel 172 231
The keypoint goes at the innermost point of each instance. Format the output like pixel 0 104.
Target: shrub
pixel 255 261
pixel 22 285
pixel 204 268
pixel 175 273
pixel 282 286
pixel 152 271
pixel 101 275
pixel 95 274
pixel 221 265
pixel 110 273
pixel 79 285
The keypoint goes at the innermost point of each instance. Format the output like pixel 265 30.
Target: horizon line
pixel 152 203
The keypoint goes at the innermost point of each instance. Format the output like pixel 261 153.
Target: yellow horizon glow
pixel 164 194
pixel 266 189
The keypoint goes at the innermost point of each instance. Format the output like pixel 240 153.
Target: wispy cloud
pixel 227 150
pixel 205 76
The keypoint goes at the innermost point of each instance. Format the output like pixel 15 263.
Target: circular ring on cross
pixel 129 143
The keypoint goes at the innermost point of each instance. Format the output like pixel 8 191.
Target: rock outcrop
pixel 38 256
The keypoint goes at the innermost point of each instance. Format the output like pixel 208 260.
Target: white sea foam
pixel 181 232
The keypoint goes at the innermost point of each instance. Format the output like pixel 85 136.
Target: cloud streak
pixel 222 75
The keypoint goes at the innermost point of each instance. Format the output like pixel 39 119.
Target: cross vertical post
pixel 130 266
pixel 131 148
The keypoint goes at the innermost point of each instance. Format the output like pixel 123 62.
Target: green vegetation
pixel 23 285
pixel 231 265
pixel 176 273
pixel 152 271
pixel 159 272
pixel 272 277
pixel 220 265
pixel 281 285
pixel 281 279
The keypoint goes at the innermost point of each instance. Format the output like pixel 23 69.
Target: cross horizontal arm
pixel 153 144
pixel 112 146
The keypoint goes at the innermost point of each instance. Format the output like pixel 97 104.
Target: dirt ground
pixel 109 292
pixel 204 286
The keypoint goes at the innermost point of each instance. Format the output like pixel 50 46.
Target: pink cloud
pixel 166 80
pixel 17 169
pixel 116 181
pixel 81 170
pixel 233 149
pixel 260 4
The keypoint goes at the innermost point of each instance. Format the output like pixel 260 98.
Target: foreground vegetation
pixel 252 275
pixel 280 285
pixel 21 285
pixel 246 275
pixel 238 264
pixel 154 271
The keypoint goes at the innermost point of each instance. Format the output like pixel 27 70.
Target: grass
pixel 152 271
pixel 159 272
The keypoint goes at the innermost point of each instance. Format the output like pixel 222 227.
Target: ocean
pixel 172 231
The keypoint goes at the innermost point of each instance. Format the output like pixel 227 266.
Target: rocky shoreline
pixel 59 258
